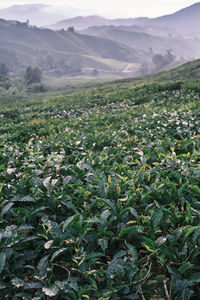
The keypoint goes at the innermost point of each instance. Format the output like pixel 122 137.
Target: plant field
pixel 100 195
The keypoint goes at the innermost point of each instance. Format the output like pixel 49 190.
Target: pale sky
pixel 114 8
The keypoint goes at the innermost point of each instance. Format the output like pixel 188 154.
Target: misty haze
pixel 99 150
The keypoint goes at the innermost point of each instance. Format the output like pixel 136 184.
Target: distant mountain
pixel 61 52
pixel 185 22
pixel 38 14
pixel 81 23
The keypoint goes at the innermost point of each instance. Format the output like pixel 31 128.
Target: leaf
pixel 24 199
pixel 6 208
pixel 81 165
pixel 149 244
pixel 105 214
pixel 160 241
pixel 196 189
pixel 195 277
pixel 11 170
pixel 133 252
pixel 67 180
pixel 54 181
pixel 94 255
pixel 57 253
pixel 189 230
pixel 157 217
pixel 104 244
pixel 70 220
pixel 126 231
pixel 17 282
pixel 55 228
pixel 134 212
pixel 48 244
pixel 185 267
pixel 46 182
pixel 53 291
pixel 2 261
pixel 43 264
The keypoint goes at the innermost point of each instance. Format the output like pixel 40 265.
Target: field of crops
pixel 100 195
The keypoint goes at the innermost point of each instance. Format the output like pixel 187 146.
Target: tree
pixel 3 69
pixel 94 72
pixel 33 75
pixel 159 61
pixel 71 29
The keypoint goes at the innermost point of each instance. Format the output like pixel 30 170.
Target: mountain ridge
pixel 183 22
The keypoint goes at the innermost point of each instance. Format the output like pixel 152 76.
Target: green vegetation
pixel 32 75
pixel 100 193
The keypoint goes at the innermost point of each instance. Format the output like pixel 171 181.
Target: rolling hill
pixel 187 48
pixel 83 22
pixel 60 52
pixel 185 22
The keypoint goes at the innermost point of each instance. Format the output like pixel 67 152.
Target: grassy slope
pixel 34 45
pixel 100 192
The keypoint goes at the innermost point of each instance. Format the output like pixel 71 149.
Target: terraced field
pixel 99 194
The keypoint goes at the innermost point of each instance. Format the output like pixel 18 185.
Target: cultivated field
pixel 99 194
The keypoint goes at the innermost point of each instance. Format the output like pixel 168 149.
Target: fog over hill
pixel 184 22
pixel 39 14
pixel 61 52
pixel 83 44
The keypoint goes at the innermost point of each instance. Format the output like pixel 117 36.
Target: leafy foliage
pixel 32 75
pixel 100 195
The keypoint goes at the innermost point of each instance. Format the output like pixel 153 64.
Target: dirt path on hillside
pixel 126 70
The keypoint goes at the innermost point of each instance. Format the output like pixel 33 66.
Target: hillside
pixel 187 48
pixel 60 52
pixel 189 71
pixel 185 22
pixel 100 191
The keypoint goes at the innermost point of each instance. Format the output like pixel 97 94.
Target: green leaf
pixel 69 221
pixel 43 264
pixel 2 261
pixel 189 230
pixel 104 244
pixel 149 244
pixel 195 277
pixel 126 231
pixel 55 229
pixel 157 217
pixel 94 255
pixel 25 199
pixel 133 252
pixel 134 212
pixel 185 267
pixel 57 253
pixel 196 189
pixel 6 208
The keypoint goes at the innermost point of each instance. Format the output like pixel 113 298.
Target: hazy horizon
pixel 111 9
